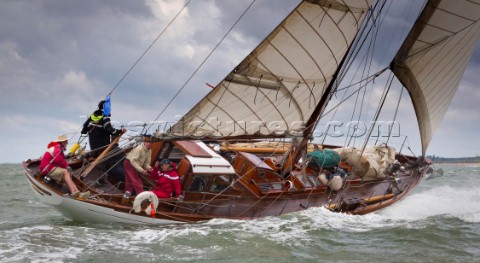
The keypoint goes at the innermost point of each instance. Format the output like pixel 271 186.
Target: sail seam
pixel 215 106
pixel 446 74
pixel 339 29
pixel 203 62
pixel 441 40
pixel 326 44
pixel 293 67
pixel 297 106
pixel 458 15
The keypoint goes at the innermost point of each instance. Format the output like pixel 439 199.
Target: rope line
pixel 148 48
pixel 201 64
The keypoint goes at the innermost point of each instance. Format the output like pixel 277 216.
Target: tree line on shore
pixel 438 159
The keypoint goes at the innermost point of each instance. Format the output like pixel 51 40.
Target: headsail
pixel 434 56
pixel 273 92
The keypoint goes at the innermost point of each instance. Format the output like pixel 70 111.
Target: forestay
pixel 273 92
pixel 434 56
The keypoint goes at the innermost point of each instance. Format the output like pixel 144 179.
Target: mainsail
pixel 434 56
pixel 274 91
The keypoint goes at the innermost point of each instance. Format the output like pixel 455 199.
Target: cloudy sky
pixel 59 58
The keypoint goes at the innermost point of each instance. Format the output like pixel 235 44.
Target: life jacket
pixel 53 157
pixel 167 182
pixel 99 129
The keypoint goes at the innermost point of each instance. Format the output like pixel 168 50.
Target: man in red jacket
pixel 168 182
pixel 55 166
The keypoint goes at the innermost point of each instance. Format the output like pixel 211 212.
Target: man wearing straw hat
pixel 55 166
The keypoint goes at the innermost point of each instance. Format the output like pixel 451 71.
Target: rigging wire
pixel 377 113
pixel 367 68
pixel 372 126
pixel 201 64
pixel 395 115
pixel 389 86
pixel 148 48
pixel 390 39
pixel 81 138
pixel 345 98
pixel 359 41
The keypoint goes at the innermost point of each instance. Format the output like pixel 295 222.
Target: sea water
pixel 438 222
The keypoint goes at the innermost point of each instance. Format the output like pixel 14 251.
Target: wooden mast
pixel 100 157
pixel 298 149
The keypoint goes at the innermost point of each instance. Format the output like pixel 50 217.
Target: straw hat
pixel 62 138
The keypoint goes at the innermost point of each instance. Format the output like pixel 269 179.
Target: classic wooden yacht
pixel 258 158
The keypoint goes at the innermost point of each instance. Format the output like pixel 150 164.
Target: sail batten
pixel 434 56
pixel 274 90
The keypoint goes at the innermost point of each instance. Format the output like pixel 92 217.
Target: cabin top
pixel 203 159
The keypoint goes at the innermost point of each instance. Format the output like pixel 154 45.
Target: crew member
pixel 55 166
pixel 168 182
pixel 99 129
pixel 137 161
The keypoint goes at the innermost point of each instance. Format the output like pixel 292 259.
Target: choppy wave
pixel 458 202
pixel 442 217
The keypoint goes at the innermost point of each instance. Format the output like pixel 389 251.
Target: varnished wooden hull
pixel 356 197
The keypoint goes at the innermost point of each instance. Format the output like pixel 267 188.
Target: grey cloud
pixel 59 58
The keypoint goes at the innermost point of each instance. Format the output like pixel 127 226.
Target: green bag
pixel 323 159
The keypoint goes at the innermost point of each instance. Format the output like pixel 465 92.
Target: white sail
pixel 434 56
pixel 273 92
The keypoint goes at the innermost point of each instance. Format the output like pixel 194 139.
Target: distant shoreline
pixel 457 164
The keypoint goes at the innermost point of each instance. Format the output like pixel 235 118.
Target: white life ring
pixel 289 186
pixel 137 203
